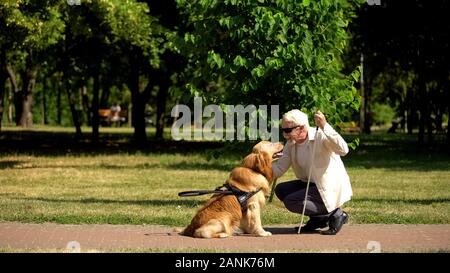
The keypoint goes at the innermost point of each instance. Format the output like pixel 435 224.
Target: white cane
pixel 309 180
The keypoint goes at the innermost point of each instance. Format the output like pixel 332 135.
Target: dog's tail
pixel 188 231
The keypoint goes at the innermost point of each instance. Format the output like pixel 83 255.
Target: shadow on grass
pixel 395 152
pixel 145 166
pixel 397 159
pixel 9 164
pixel 403 201
pixel 19 165
pixel 62 143
pixel 157 202
pixel 203 166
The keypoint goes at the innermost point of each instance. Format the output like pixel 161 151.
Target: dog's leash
pixel 241 196
pixel 224 189
pixel 272 191
pixel 202 192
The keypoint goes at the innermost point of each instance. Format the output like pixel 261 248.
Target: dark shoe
pixel 336 224
pixel 312 225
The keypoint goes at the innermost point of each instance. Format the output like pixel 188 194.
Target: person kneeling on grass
pixel 330 184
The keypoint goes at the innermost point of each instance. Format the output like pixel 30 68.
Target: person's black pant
pixel 292 194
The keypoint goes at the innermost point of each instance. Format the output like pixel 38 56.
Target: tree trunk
pixel 448 127
pixel 73 110
pixel 138 103
pixel 363 98
pixel 86 106
pixel 17 107
pixel 367 115
pixel 364 112
pixel 26 118
pixel 161 101
pixel 67 85
pixel 44 102
pixel 422 111
pixel 409 112
pixel 16 92
pixel 429 128
pixel 95 99
pixel 58 100
pixel 3 76
pixel 10 106
pixel 405 121
pixel 438 121
pixel 106 85
pixel 29 82
pixel 138 118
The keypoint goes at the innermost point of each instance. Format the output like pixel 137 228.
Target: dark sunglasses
pixel 289 130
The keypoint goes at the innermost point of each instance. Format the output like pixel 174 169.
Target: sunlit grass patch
pixel 390 186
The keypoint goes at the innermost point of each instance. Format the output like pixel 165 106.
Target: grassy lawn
pixel 45 177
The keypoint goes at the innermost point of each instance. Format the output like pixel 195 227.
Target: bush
pixel 382 114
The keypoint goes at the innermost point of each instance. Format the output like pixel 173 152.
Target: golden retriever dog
pixel 223 213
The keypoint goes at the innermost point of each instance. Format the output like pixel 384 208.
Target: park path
pixel 136 238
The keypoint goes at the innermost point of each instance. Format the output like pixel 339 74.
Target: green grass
pixel 44 177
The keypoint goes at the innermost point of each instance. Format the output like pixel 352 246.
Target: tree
pixel 114 43
pixel 416 42
pixel 99 44
pixel 139 32
pixel 270 52
pixel 30 28
pixel 171 62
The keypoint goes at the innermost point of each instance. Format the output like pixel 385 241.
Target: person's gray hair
pixel 297 117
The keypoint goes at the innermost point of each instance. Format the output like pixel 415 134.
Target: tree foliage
pixel 411 51
pixel 32 25
pixel 284 52
pixel 101 40
pixel 29 29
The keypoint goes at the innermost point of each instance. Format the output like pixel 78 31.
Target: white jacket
pixel 328 172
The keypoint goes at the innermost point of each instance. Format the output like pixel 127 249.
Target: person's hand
pixel 320 119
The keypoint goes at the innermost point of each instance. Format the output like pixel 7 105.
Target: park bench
pixel 106 117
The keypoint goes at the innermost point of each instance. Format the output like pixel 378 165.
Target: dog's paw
pixel 265 234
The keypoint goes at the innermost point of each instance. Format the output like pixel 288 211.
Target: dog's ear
pixel 261 163
pixel 265 165
pixel 250 161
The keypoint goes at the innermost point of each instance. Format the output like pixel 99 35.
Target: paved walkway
pixel 112 238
